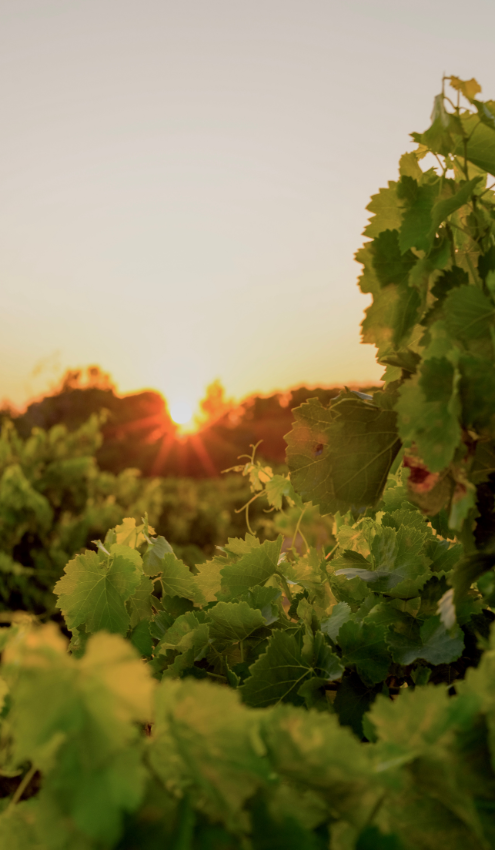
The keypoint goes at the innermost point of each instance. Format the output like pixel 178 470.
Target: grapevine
pixel 290 692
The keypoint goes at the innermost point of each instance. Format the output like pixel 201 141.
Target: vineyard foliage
pixel 54 500
pixel 327 683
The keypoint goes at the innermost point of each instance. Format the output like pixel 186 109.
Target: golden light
pixel 181 412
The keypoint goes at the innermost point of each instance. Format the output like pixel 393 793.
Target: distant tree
pixel 214 404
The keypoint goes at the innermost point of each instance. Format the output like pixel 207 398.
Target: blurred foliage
pixel 55 500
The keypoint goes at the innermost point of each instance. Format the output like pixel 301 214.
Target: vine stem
pixel 246 508
pixel 298 531
pixel 376 808
pixel 23 784
pixel 285 586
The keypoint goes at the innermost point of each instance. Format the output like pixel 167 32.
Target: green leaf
pixel 433 426
pixel 417 230
pixel 396 565
pixel 94 590
pixel 368 280
pixel 85 740
pixel 448 280
pixel 265 600
pixel 363 647
pixel 234 621
pixel 411 723
pixel 386 211
pixel 251 569
pixel 177 579
pixel 468 570
pixel 141 638
pixel 469 313
pixel 181 634
pixel 339 457
pixel 391 263
pixel 445 207
pixel 277 674
pixel 139 604
pixel 390 319
pixel 352 702
pixel 441 136
pixel 481 146
pixel 469 88
pixel 188 637
pixel 313 751
pixel 433 644
pixel 277 488
pixel 209 577
pixel 206 741
pixel 341 612
pixel 153 559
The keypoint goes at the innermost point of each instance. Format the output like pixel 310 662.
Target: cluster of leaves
pixel 302 523
pixel 326 631
pixel 429 266
pixel 118 760
pixel 53 501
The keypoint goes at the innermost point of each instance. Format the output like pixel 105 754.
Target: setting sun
pixel 181 412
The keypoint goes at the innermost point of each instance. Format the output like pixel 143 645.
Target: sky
pixel 184 182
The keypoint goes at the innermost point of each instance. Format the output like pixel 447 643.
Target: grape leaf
pixel 390 319
pixel 341 612
pixel 391 263
pixel 209 577
pixel 433 426
pixel 313 751
pixel 94 590
pixel 130 534
pixel 153 559
pixel 363 647
pixel 398 553
pixel 469 312
pixel 368 280
pixel 251 569
pixel 339 457
pixel 386 211
pixel 278 487
pixel 433 644
pixel 177 579
pixel 139 604
pixel 189 638
pixel 205 740
pixel 234 621
pixel 265 600
pixel 469 88
pixel 446 206
pixel 85 740
pixel 418 201
pixel 278 674
pixel 440 136
pixel 480 146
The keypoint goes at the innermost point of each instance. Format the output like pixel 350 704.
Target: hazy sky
pixel 183 183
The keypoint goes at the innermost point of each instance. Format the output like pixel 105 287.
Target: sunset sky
pixel 184 182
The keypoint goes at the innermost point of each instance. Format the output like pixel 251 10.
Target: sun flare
pixel 182 414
